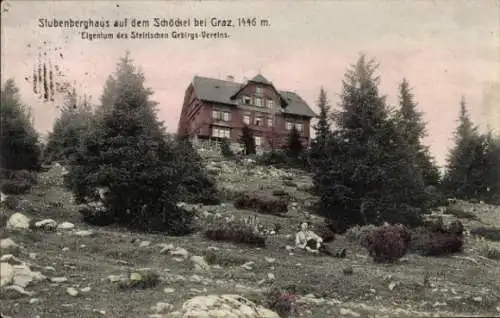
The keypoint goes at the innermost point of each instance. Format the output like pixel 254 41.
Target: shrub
pixel 11 202
pixel 289 183
pixel 387 243
pixel 460 213
pixel 96 215
pixel 486 249
pixel 280 193
pixel 273 157
pixel 358 233
pixel 237 232
pixel 489 233
pixel 15 187
pixel 140 280
pixel 438 242
pixel 223 259
pixel 324 231
pixel 24 175
pixel 225 148
pixel 280 301
pixel 264 206
pixel 229 195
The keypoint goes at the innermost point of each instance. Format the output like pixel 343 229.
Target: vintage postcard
pixel 250 158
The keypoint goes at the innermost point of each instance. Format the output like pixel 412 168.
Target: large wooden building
pixel 217 109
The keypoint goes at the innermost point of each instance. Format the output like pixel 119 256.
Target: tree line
pixel 368 159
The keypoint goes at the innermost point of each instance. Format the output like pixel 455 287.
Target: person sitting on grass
pixel 308 240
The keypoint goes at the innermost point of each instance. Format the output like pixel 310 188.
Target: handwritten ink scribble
pixel 47 77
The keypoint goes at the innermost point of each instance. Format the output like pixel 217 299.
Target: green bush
pixel 15 187
pixel 262 205
pixel 237 232
pixel 96 215
pixel 460 213
pixel 489 233
pixel 225 148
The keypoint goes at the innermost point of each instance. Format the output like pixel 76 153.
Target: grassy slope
pixel 89 260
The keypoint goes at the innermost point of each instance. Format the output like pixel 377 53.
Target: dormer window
pixel 246 100
pixel 258 91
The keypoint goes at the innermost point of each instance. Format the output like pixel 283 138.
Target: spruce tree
pixel 491 168
pixel 294 146
pixel 73 122
pixel 462 178
pixel 413 129
pixel 127 152
pixel 19 145
pixel 196 185
pixel 370 176
pixel 323 128
pixel 322 131
pixel 247 140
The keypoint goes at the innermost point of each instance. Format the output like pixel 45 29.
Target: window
pixel 289 125
pixel 215 132
pixel 258 90
pixel 246 100
pixel 299 127
pixel 269 103
pixel 219 115
pixel 258 102
pixel 258 141
pixel 269 122
pixel 220 132
pixel 259 121
pixel 246 119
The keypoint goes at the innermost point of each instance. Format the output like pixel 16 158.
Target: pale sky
pixel 445 49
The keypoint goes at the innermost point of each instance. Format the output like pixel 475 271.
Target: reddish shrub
pixel 282 302
pixel 387 243
pixel 324 231
pixel 438 241
pixel 261 205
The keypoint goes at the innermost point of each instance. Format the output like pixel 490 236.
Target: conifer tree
pixel 412 127
pixel 294 144
pixel 19 144
pixel 370 176
pixel 196 186
pixel 323 127
pixel 491 168
pixel 463 177
pixel 247 139
pixel 127 152
pixel 75 119
pixel 322 131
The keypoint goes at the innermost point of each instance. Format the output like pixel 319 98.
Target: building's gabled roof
pixel 221 91
pixel 261 80
pixel 296 105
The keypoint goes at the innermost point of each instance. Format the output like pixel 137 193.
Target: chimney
pixel 230 78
